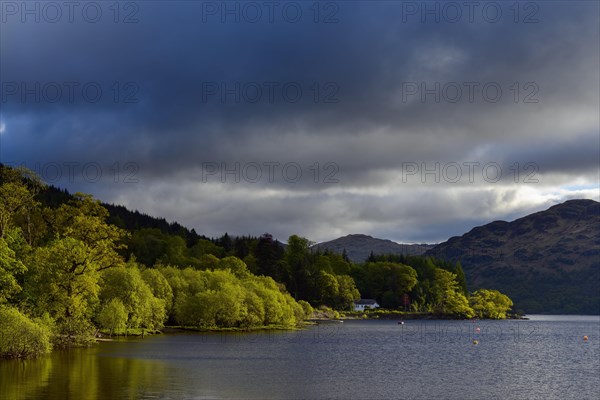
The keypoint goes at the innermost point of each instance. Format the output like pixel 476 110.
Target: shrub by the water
pixel 20 337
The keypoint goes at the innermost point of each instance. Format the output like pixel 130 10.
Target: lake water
pixel 543 358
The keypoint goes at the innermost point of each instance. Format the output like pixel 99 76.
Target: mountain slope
pixel 547 262
pixel 359 247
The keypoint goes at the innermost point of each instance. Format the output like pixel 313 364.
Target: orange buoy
pixel 585 338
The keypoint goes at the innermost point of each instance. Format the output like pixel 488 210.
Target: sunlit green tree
pixel 10 268
pixel 63 275
pixel 490 304
pixel 21 337
pixel 126 284
pixel 113 316
pixel 448 295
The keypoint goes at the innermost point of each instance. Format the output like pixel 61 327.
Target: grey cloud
pixel 370 56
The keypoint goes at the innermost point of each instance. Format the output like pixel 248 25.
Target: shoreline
pixel 104 337
pixel 391 316
pixel 400 315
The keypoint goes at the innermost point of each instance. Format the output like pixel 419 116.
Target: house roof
pixel 366 302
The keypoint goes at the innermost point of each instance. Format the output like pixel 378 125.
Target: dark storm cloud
pixel 367 120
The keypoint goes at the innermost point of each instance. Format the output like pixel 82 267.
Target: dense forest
pixel 71 266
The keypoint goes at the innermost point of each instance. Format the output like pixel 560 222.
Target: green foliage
pixel 113 316
pixel 20 337
pixel 460 277
pixel 339 291
pixel 327 288
pixel 227 304
pixel 490 304
pixel 206 247
pixel 387 282
pixel 269 261
pixel 142 308
pixel 198 310
pixel 448 295
pixel 347 293
pixel 251 262
pixel 18 188
pixel 220 298
pixel 13 194
pixel 339 264
pixel 63 280
pixel 159 285
pixel 69 266
pixel 277 311
pixel 277 303
pixel 437 287
pixel 320 278
pixel 10 268
pixel 306 307
pixel 235 265
pixel 148 246
pixel 207 261
pixel 152 246
pixel 63 275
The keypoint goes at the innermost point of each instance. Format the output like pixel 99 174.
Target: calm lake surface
pixel 543 358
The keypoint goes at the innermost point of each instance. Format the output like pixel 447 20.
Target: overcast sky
pixel 403 120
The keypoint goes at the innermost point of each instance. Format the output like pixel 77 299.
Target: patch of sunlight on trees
pixel 220 298
pixel 21 337
pixel 490 304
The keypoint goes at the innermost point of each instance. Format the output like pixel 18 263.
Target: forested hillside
pixel 547 262
pixel 68 268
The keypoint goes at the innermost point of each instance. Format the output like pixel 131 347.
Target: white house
pixel 363 304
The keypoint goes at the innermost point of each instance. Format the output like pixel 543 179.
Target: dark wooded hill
pixel 547 262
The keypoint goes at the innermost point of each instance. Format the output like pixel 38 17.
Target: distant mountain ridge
pixel 547 262
pixel 358 247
